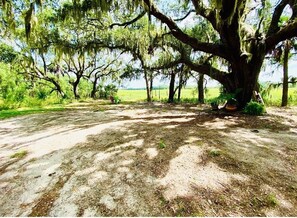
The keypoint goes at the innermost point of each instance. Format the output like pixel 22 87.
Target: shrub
pixel 117 100
pixel 107 91
pixel 254 108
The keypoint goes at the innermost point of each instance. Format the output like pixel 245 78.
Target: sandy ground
pixel 149 160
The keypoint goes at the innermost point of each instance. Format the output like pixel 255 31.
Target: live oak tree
pixel 103 69
pixel 36 59
pixel 242 43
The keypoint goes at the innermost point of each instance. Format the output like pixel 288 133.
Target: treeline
pixel 80 49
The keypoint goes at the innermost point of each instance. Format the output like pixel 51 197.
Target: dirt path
pixel 149 160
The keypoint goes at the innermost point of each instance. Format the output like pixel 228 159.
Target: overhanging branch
pixel 287 32
pixel 207 69
pixel 215 49
pixel 125 24
pixel 273 28
pixel 184 17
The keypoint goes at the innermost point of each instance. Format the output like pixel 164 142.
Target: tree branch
pixel 215 49
pixel 273 28
pixel 287 32
pixel 125 24
pixel 208 70
pixel 207 14
pixel 184 17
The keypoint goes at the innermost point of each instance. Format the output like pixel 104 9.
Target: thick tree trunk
pixel 286 76
pixel 147 84
pixel 201 89
pixel 243 80
pixel 171 88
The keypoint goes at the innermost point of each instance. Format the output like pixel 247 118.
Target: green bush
pixel 116 99
pixel 254 108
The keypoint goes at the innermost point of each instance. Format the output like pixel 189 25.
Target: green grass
pixel 274 97
pixel 4 114
pixel 187 95
pixel 19 154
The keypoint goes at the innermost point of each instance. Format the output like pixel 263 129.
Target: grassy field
pixel 190 95
pixel 162 95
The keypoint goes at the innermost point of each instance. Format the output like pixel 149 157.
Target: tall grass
pixel 274 97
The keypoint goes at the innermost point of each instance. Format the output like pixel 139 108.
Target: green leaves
pixel 7 53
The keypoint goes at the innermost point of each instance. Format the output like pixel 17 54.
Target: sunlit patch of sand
pixel 135 143
pixel 97 176
pixel 187 172
pixel 151 153
pixel 219 123
pixel 192 139
pixel 168 120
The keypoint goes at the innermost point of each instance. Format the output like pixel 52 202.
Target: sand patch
pixel 187 172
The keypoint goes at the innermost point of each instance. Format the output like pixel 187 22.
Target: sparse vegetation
pixel 215 153
pixel 232 174
pixel 254 108
pixel 162 145
pixel 19 154
pixel 271 200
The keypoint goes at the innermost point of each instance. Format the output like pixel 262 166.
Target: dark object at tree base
pixel 111 99
pixel 231 105
pixel 255 131
pixel 214 106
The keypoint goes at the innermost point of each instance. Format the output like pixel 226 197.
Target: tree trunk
pixel 180 86
pixel 151 84
pixel 75 89
pixel 201 89
pixel 58 87
pixel 286 76
pixel 94 88
pixel 243 80
pixel 171 87
pixel 147 84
